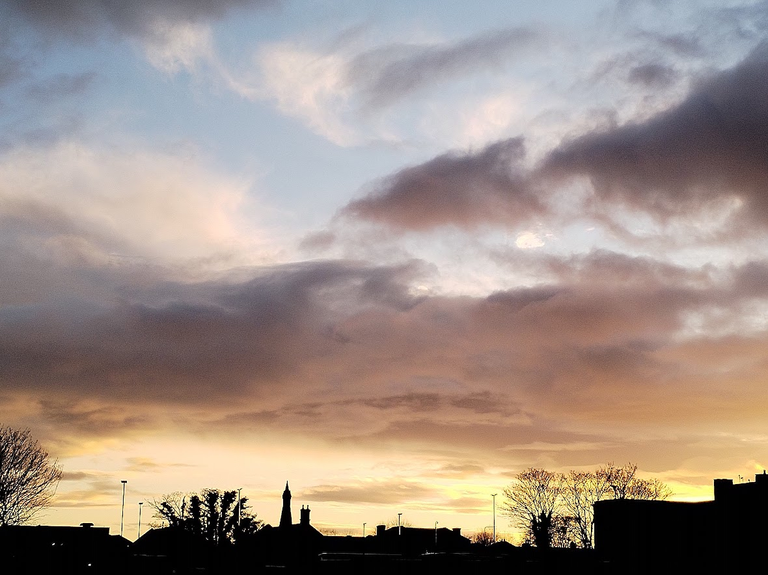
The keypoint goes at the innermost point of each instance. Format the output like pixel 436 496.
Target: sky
pixel 392 252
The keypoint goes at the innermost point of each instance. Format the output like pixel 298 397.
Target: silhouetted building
pixel 171 550
pixel 26 549
pixel 416 541
pixel 728 533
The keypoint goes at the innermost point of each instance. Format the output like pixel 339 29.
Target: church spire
pixel 285 516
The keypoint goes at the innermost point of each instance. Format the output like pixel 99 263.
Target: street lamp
pixel 364 530
pixel 239 505
pixel 140 504
pixel 399 526
pixel 494 516
pixel 435 535
pixel 122 508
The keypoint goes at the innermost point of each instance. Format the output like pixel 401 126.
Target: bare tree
pixel 393 522
pixel 484 538
pixel 619 478
pixel 28 476
pixel 531 501
pixel 557 510
pixel 625 485
pixel 649 489
pixel 580 491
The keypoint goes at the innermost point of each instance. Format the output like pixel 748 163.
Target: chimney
pixel 723 488
pixel 380 529
pixel 86 525
pixel 457 530
pixel 305 515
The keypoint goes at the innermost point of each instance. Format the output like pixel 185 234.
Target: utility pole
pixel 494 516
pixel 140 504
pixel 122 508
pixel 399 526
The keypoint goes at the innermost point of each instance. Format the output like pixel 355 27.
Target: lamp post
pixel 140 504
pixel 399 526
pixel 435 535
pixel 122 507
pixel 494 516
pixel 239 505
pixel 364 530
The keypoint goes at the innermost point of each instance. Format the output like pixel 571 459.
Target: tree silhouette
pixel 484 538
pixel 28 476
pixel 214 515
pixel 580 491
pixel 556 510
pixel 531 501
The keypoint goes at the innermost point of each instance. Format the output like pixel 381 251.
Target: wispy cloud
pixel 338 88
pixel 389 73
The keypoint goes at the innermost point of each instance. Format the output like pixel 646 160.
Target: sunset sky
pixel 393 252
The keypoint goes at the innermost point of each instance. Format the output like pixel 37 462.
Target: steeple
pixel 285 516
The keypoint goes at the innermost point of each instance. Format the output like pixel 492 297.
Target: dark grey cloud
pixel 709 148
pixel 387 74
pixel 685 45
pixel 14 63
pixel 345 351
pixel 85 19
pixel 75 475
pixel 412 401
pixel 12 69
pixel 652 75
pixel 183 343
pixel 89 421
pixel 485 402
pixel 751 279
pixel 462 189
pixel 705 153
pixel 601 268
pixel 61 86
pixel 482 437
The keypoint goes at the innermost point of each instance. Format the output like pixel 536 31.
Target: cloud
pixel 172 47
pixel 73 203
pixel 687 45
pixel 652 75
pixel 704 153
pixel 386 74
pixel 336 88
pixel 181 343
pixel 351 353
pixel 61 86
pixel 462 189
pixel 87 18
pixel 379 492
pixel 698 161
pixel 175 34
pixel 306 85
pixel 149 465
pixel 13 66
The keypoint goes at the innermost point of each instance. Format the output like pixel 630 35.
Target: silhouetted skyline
pixel 395 255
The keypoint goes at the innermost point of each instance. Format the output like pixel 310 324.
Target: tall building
pixel 285 517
